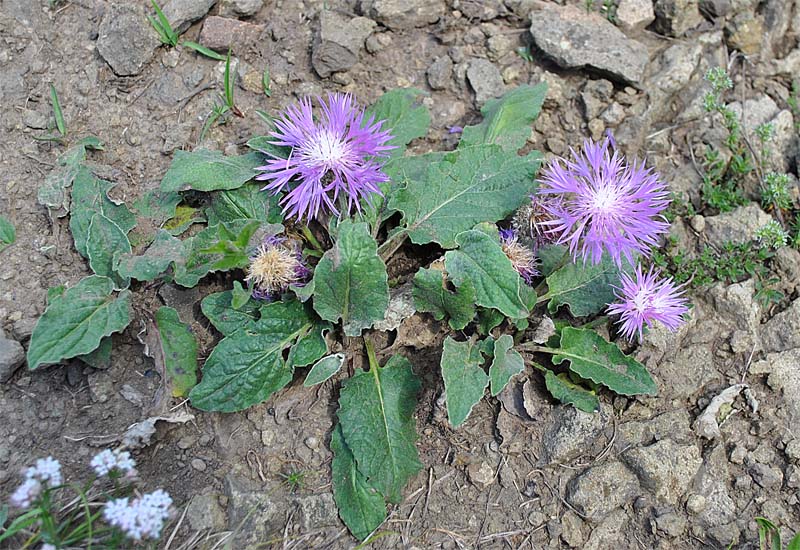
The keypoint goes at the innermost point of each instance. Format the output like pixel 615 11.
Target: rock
pixel 738 226
pixel 601 489
pixel 635 15
pixel 317 511
pixel 204 512
pixel 125 39
pixel 737 303
pixel 671 523
pixel 695 504
pixel 101 386
pixel 744 33
pixel 576 39
pixel 719 514
pixel 34 119
pixel 613 115
pixel 792 450
pixel 240 8
pixel 665 468
pixel 221 33
pixel 182 13
pixel 252 510
pixel 769 477
pixel 12 356
pixel 571 529
pixel 198 465
pixel 23 328
pixel 609 533
pixel 711 9
pixel 440 73
pixel 480 474
pixel 500 45
pixel 782 367
pixel 339 42
pixel 675 17
pixel 675 68
pixel 403 14
pixel 782 332
pixel 570 433
pixel 485 79
pixel 595 96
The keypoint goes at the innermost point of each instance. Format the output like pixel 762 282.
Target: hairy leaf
pixel 350 281
pixel 467 186
pixel 480 261
pixel 185 216
pixel 566 391
pixel 218 308
pixel 594 359
pixel 586 289
pixel 178 349
pixel 507 120
pixel 247 367
pixel 53 191
pixel 204 170
pixel 248 202
pixel 75 322
pixel 506 364
pixel 324 369
pixel 100 358
pixel 165 250
pixel 7 233
pixel 404 116
pixel 376 413
pixel 465 380
pixel 432 296
pixel 360 505
pixel 105 242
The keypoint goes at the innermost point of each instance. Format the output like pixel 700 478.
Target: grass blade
pixel 166 29
pixel 265 83
pixel 228 81
pixel 60 124
pixel 203 50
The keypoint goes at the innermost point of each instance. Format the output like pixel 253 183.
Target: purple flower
pixel 522 258
pixel 645 299
pixel 277 263
pixel 602 203
pixel 335 158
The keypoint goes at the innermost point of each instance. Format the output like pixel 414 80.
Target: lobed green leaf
pixel 205 170
pixel 218 308
pixel 506 364
pixel 585 288
pixel 566 391
pixel 432 296
pixel 465 380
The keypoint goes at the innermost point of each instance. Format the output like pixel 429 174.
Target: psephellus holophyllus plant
pixel 488 250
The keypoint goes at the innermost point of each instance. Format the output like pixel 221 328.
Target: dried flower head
pixel 142 518
pixel 530 219
pixel 644 298
pixel 601 203
pixel 522 258
pixel 277 263
pixel 333 159
pixel 113 462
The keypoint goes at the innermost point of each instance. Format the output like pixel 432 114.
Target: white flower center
pixel 642 301
pixel 604 199
pixel 327 148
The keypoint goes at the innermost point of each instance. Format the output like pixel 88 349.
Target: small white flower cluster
pixel 142 518
pixel 113 461
pixel 46 473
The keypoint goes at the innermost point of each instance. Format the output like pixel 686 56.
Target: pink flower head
pixel 645 298
pixel 601 203
pixel 335 156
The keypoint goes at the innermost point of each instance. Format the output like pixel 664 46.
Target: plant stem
pixel 387 249
pixel 312 240
pixel 371 357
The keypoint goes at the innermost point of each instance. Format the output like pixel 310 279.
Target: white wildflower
pixel 142 518
pixel 26 493
pixel 109 461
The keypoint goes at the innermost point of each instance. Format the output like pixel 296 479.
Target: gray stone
pixel 782 369
pixel 576 39
pixel 719 514
pixel 204 512
pixel 570 433
pixel 675 17
pixel 12 356
pixel 339 42
pixel 125 39
pixel 101 386
pixel 571 529
pixel 665 468
pixel 738 226
pixel 34 119
pixel 635 15
pixel 480 474
pixel 403 14
pixel 240 8
pixel 609 532
pixel 695 504
pixel 613 115
pixel 485 79
pixel 317 511
pixel 221 33
pixel 601 489
pixel 182 13
pixel 675 68
pixel 252 511
pixel 23 328
pixel 712 9
pixel 744 33
pixel 769 477
pixel 737 303
pixel 671 523
pixel 440 73
pixel 792 450
pixel 782 332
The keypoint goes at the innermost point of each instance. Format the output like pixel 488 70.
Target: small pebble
pixel 312 443
pixel 698 223
pixel 198 465
pixel 696 504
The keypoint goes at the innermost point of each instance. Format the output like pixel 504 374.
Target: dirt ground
pixel 523 471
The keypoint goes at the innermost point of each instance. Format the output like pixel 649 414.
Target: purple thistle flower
pixel 522 258
pixel 645 299
pixel 332 157
pixel 602 203
pixel 276 264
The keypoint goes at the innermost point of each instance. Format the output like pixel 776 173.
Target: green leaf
pixel 218 308
pixel 593 358
pixel 57 113
pixel 53 191
pixel 324 369
pixel 566 391
pixel 184 217
pixel 90 197
pixel 794 544
pixel 240 295
pixel 165 250
pixel 152 211
pixel 361 506
pixel 105 242
pixel 507 120
pixel 465 380
pixel 179 351
pixel 75 322
pixel 480 261
pixel 432 296
pixel 768 534
pixel 199 48
pixel 376 414
pixel 247 367
pixel 350 281
pixel 205 170
pixel 489 319
pixel 552 257
pixel 248 202
pixel 8 235
pixel 404 117
pixel 506 364
pixel 465 187
pixel 586 289
pixel 100 358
